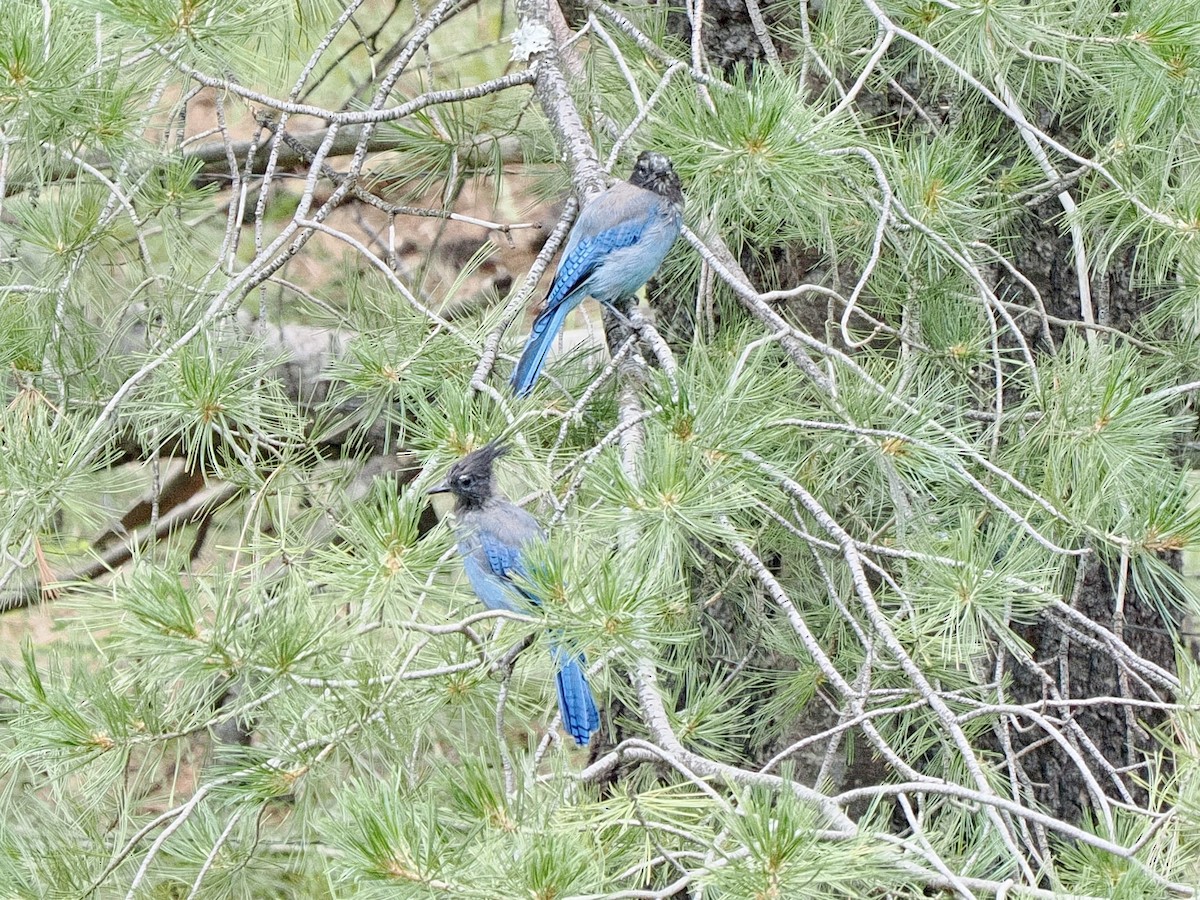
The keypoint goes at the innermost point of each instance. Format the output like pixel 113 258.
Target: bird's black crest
pixel 653 172
pixel 470 479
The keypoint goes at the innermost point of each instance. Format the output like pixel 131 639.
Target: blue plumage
pixel 492 534
pixel 619 240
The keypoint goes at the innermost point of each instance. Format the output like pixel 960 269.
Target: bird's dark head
pixel 654 172
pixel 470 479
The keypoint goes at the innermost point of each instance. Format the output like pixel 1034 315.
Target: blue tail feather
pixel 579 714
pixel 545 329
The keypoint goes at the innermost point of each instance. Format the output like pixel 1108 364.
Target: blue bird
pixel 618 242
pixel 492 532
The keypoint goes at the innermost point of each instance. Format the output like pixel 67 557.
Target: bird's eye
pixel 465 480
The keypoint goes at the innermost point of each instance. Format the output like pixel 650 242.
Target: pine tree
pixel 871 525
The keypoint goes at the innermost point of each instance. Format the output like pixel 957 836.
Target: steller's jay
pixel 617 243
pixel 492 533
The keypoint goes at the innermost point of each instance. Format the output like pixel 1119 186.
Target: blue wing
pixel 581 260
pixel 491 566
pixel 502 559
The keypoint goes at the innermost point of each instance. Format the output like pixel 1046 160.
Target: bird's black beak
pixel 442 488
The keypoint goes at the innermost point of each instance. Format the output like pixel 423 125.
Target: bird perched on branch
pixel 492 535
pixel 619 240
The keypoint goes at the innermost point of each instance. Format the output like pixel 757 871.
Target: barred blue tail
pixel 579 715
pixel 541 336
